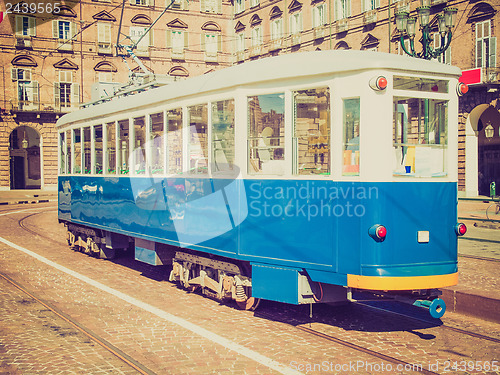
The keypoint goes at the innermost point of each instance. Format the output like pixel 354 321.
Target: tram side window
pixel 98 149
pixel 157 143
pixel 87 148
pixel 198 138
pixel 351 137
pixel 111 147
pixel 223 136
pixel 266 134
pixel 420 137
pixel 68 151
pixel 140 145
pixel 77 167
pixel 311 139
pixel 174 141
pixel 123 149
pixel 62 154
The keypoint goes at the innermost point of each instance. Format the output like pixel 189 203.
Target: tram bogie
pixel 300 178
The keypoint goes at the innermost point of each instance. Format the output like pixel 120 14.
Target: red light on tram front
pixel 378 232
pixel 460 229
pixel 381 232
pixel 462 89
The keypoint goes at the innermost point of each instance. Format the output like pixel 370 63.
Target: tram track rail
pixel 302 327
pixel 140 368
pixel 307 328
pixel 443 326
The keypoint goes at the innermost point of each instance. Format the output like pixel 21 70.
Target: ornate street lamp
pixel 489 132
pixel 406 25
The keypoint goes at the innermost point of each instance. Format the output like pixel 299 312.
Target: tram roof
pixel 278 68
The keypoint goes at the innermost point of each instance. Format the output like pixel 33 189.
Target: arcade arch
pixel 25 158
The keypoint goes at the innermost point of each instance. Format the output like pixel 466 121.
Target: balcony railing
pixel 255 50
pixel 296 38
pixel 16 105
pixel 491 75
pixel 23 42
pixel 319 32
pixel 370 17
pixel 211 56
pixel 276 44
pixel 342 25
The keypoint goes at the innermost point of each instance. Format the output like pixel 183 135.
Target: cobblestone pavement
pixel 137 316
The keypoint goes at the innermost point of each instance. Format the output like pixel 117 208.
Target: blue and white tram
pixel 297 178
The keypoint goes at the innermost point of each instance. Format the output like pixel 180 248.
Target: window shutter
pixel 57 95
pixel 151 37
pixel 479 53
pixel 75 94
pixel 447 56
pixel 32 26
pixel 36 97
pixel 14 74
pixel 219 6
pixel 74 29
pixel 55 29
pixel 202 6
pixel 186 39
pixel 219 43
pixel 19 25
pixel 132 2
pixel 493 53
pixel 348 8
pixel 27 74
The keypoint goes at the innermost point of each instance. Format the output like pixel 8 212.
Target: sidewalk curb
pixel 473 305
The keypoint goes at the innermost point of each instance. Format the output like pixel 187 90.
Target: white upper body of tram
pixel 311 115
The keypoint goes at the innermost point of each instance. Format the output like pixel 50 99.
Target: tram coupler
pixel 436 307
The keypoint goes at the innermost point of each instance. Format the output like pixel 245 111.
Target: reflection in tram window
pixel 62 154
pixel 68 150
pixel 111 147
pixel 266 141
pixel 139 146
pixel 98 149
pixel 351 137
pixel 420 135
pixel 223 135
pixel 312 131
pixel 198 138
pixel 123 152
pixel 87 150
pixel 77 167
pixel 174 141
pixel 157 143
pixel 420 84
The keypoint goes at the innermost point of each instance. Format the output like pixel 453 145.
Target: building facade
pixel 51 61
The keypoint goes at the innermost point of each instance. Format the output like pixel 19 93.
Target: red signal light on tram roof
pixel 378 83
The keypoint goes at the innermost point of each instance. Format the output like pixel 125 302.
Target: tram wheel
pixel 250 304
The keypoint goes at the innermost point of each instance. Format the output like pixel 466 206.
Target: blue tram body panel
pixel 318 226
